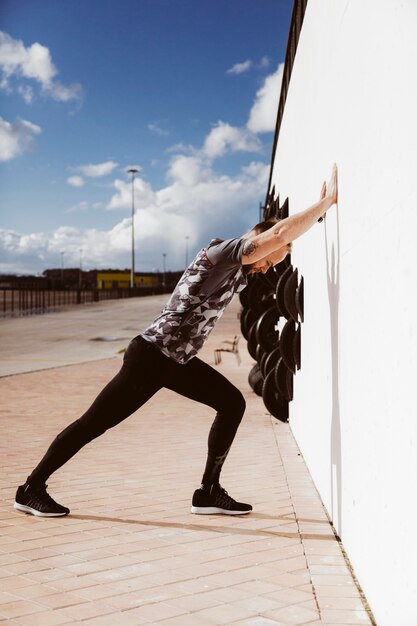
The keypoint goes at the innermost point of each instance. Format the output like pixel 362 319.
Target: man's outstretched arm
pixel 285 231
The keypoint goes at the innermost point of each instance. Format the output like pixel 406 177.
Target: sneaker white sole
pixel 28 509
pixel 213 510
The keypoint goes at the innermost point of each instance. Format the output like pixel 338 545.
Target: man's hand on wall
pixel 332 186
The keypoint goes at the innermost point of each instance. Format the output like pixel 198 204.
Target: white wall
pixel 353 99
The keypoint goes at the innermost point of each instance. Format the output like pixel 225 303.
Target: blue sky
pixel 185 90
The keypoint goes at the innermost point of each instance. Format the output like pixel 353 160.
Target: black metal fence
pixel 17 302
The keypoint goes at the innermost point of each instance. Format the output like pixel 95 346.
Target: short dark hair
pixel 265 225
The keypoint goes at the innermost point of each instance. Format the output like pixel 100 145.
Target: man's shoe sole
pixel 28 509
pixel 213 510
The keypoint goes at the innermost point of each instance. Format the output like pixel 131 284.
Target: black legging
pixel 145 370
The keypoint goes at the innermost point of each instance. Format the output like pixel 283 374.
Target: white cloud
pixel 223 138
pixel 33 62
pixel 97 170
pixel 158 130
pixel 76 181
pixel 188 170
pixel 264 62
pixel 64 93
pixel 80 206
pixel 181 148
pixel 16 138
pixel 26 92
pixel 4 86
pixel 240 68
pixel 122 199
pixel 263 114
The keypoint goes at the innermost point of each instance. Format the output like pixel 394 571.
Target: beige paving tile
pixel 336 591
pixel 6 559
pixel 335 616
pixel 19 608
pixel 85 611
pixel 332 570
pixel 45 576
pixel 5 597
pixel 223 595
pixel 295 596
pixel 190 619
pixel 33 592
pixel 259 604
pixel 196 602
pixel 154 613
pixel 294 614
pixel 341 603
pixel 44 618
pixel 290 579
pixel 258 587
pixel 227 613
pixel 114 619
pixel 338 581
pixel 258 620
pixel 60 600
pixel 317 559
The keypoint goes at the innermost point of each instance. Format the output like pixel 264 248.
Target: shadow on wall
pixel 333 291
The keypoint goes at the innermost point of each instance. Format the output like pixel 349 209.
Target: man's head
pixel 262 265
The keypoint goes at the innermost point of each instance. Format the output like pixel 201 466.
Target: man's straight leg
pixel 132 386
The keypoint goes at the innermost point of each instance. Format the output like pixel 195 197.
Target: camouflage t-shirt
pixel 199 299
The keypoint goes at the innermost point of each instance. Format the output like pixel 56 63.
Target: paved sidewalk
pixel 38 342
pixel 131 553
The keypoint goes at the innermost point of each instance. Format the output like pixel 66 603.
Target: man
pixel 164 355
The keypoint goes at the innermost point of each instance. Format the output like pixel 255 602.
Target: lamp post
pixel 164 256
pixel 186 251
pixel 133 171
pixel 80 281
pixel 62 268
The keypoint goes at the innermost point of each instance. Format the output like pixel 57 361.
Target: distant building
pixel 119 279
pixel 74 278
pixel 9 281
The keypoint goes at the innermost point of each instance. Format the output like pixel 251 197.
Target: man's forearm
pixel 296 225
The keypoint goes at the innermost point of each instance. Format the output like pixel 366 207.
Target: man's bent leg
pixel 198 381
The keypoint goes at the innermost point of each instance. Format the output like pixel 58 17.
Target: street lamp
pixel 186 251
pixel 62 268
pixel 133 171
pixel 81 269
pixel 164 256
pixel 261 211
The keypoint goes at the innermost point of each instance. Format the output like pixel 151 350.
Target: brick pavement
pixel 131 553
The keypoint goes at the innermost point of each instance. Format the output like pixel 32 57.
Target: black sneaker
pixel 37 501
pixel 216 500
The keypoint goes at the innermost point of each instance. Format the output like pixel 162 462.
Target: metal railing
pixel 17 302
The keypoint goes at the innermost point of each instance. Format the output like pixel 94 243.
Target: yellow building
pixel 121 280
